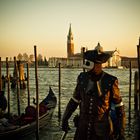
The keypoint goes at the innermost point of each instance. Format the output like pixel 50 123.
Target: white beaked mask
pixel 88 65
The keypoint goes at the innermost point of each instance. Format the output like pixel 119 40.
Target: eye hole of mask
pixel 87 63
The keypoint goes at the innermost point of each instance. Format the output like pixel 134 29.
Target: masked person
pixel 94 93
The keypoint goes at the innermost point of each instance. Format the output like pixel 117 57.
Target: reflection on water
pixel 49 77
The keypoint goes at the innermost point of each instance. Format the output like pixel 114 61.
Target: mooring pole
pixel 83 51
pixel 59 97
pixel 17 84
pixel 0 76
pixel 8 86
pixel 138 53
pixel 130 77
pixel 28 89
pixel 19 73
pixel 37 96
pixel 136 94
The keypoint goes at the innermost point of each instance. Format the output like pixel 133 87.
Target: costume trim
pixel 99 89
pixel 118 105
pixel 99 85
pixel 75 100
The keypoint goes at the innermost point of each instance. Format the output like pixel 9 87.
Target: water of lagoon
pixel 50 77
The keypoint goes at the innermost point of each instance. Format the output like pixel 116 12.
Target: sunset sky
pixel 45 23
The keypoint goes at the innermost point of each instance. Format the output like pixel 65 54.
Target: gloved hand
pixel 71 106
pixel 76 120
pixel 65 126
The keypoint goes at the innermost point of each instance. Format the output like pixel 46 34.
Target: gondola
pixel 27 124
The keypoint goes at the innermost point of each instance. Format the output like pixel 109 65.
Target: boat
pixel 26 123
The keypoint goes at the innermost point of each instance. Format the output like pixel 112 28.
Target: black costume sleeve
pixel 71 107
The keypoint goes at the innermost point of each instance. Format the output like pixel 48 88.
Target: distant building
pixel 134 60
pixel 125 62
pixel 76 60
pixel 54 61
pixel 115 60
pixel 32 58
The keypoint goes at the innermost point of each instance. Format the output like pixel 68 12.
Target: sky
pixel 45 23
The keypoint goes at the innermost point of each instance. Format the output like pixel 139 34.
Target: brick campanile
pixel 70 44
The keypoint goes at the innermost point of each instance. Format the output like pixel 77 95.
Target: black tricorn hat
pixel 98 55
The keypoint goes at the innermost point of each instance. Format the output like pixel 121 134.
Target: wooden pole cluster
pixel 16 76
pixel 21 75
pixel 17 79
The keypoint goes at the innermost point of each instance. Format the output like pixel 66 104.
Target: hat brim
pixel 96 57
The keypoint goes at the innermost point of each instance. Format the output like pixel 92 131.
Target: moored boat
pixel 26 123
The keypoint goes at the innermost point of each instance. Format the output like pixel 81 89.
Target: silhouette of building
pixel 76 60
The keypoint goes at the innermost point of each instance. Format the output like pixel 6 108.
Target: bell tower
pixel 70 44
